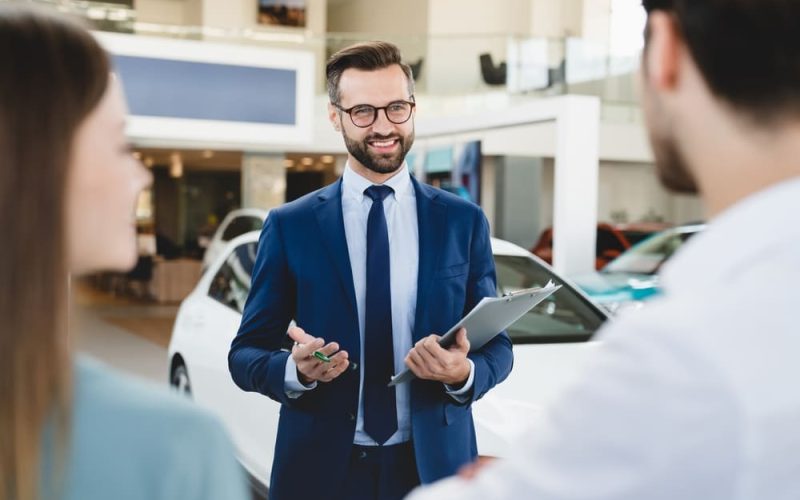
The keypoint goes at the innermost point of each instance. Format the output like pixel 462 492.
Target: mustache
pixel 379 137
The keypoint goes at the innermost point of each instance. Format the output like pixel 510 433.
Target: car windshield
pixel 648 256
pixel 565 316
pixel 241 225
pixel 231 284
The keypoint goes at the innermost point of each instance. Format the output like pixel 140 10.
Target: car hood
pixel 618 287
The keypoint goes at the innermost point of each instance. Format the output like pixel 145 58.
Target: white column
pixel 577 131
pixel 575 192
pixel 263 180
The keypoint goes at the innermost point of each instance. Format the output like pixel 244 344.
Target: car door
pixel 251 418
pixel 551 342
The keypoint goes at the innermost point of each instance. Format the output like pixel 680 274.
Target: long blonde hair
pixel 52 74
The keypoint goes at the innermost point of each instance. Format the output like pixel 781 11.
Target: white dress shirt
pixel 400 209
pixel 693 397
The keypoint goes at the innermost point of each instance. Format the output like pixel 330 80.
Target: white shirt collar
pixel 737 238
pixel 353 184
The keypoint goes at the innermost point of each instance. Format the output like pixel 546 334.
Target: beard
pixel 376 162
pixel 671 166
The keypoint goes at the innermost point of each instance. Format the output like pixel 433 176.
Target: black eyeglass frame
pixel 375 110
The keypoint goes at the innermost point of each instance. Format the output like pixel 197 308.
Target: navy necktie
pixel 380 412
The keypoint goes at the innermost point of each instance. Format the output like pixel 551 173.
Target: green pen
pixel 322 357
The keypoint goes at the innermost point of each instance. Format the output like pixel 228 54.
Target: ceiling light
pixel 175 165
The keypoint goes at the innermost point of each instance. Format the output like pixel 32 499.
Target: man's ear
pixel 663 52
pixel 333 116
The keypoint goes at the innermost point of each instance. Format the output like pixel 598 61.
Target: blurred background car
pixel 612 240
pixel 550 344
pixel 236 223
pixel 632 278
pixel 636 232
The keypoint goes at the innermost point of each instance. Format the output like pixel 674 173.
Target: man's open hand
pixel 311 369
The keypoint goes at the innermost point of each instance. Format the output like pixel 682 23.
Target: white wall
pixel 630 188
pixel 597 21
pixel 556 18
pixel 404 23
pixel 230 14
pixel 390 17
pixel 161 11
pixel 460 31
pixel 193 12
pixel 630 192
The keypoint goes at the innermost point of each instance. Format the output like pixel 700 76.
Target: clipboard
pixel 487 319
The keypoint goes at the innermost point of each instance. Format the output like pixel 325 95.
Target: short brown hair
pixel 366 56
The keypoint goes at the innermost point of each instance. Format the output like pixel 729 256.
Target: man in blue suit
pixel 375 264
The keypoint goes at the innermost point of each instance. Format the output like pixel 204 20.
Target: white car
pixel 550 343
pixel 236 223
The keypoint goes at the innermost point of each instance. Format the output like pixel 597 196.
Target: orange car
pixel 611 241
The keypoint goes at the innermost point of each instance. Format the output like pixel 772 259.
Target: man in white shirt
pixel 695 396
pixel 371 268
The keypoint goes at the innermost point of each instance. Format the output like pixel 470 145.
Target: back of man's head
pixel 748 51
pixel 367 56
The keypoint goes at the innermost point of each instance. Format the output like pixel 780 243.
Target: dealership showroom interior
pixel 522 138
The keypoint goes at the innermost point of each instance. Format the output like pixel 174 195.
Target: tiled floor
pixel 129 335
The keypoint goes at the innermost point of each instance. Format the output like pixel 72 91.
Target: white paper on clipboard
pixel 487 319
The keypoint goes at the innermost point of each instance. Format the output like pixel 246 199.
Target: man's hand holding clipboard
pixel 429 360
pixel 487 319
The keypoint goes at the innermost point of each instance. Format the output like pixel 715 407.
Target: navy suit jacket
pixel 302 272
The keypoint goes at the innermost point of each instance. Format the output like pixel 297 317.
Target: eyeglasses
pixel 364 115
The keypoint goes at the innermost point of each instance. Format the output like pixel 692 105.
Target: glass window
pixel 231 284
pixel 240 225
pixel 565 316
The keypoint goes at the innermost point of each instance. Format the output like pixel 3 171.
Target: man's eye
pixel 362 111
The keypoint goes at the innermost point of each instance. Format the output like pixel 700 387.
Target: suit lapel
pixel 432 218
pixel 330 219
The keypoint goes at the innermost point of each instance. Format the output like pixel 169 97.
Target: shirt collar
pixel 353 184
pixel 737 238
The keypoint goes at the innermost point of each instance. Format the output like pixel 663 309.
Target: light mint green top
pixel 131 441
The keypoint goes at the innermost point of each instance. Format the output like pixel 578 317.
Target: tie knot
pixel 378 193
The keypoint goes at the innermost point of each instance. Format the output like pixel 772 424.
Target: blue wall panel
pixel 205 91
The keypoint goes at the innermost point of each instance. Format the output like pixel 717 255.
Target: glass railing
pixel 465 66
pixel 105 16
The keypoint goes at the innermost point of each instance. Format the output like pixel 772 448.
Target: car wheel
pixel 180 380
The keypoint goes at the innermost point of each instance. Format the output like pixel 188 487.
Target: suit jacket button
pixel 353 366
pixel 351 417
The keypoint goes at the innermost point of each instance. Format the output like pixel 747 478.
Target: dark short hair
pixel 748 51
pixel 367 56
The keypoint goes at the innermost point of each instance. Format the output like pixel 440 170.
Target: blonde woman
pixel 69 428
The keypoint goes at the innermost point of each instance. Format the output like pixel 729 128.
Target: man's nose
pixel 382 124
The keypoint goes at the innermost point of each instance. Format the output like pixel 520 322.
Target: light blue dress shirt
pixel 130 441
pixel 400 209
